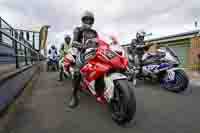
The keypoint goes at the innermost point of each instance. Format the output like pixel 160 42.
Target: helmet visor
pixel 88 20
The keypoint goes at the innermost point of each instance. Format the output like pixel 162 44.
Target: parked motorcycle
pixel 103 76
pixel 52 63
pixel 162 66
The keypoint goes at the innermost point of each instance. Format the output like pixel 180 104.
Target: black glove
pixel 76 44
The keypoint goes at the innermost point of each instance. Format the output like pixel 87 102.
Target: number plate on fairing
pixel 109 54
pixel 151 68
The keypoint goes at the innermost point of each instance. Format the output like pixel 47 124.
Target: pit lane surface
pixel 158 111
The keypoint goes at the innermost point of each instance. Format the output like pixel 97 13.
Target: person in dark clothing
pixel 81 35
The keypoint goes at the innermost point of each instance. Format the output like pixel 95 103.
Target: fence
pixel 15 52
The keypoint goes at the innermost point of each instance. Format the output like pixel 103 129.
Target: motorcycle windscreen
pixel 172 53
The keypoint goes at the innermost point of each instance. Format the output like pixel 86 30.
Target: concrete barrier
pixel 26 81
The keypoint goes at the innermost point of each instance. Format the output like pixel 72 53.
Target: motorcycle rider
pixel 137 53
pixel 81 34
pixel 53 52
pixel 116 46
pixel 148 50
pixel 63 51
pixel 114 40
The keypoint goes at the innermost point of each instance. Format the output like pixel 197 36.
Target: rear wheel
pixel 179 84
pixel 123 104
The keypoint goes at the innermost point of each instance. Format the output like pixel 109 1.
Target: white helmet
pixel 87 18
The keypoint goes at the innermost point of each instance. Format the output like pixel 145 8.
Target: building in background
pixel 186 45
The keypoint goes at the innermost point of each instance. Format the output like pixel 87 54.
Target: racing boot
pixel 60 75
pixel 74 101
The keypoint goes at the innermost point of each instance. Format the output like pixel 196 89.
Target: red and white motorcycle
pixel 103 76
pixel 69 62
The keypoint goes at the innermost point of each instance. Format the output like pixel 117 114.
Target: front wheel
pixel 123 104
pixel 179 84
pixel 55 68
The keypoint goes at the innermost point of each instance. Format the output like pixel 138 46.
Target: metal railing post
pixel 16 54
pixel 0 32
pixel 16 51
pixel 32 58
pixel 32 53
pixel 33 40
pixel 25 52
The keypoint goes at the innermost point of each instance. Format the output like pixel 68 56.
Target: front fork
pixel 137 68
pixel 170 75
pixel 109 84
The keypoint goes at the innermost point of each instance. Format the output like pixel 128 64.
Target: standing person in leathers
pixel 80 35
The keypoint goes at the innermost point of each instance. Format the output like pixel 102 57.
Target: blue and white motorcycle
pixel 52 62
pixel 161 66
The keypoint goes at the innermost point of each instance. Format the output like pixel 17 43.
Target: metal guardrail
pixel 4 25
pixel 15 50
pixel 19 61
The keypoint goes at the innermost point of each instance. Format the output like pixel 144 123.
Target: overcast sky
pixel 121 18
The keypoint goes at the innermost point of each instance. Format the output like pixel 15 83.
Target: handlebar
pixel 140 46
pixel 89 43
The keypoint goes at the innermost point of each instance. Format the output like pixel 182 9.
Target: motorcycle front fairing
pixel 163 60
pixel 171 55
pixel 175 62
pixel 93 70
pixel 105 61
